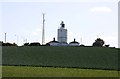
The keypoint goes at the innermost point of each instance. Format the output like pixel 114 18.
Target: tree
pixel 107 45
pixel 9 44
pixel 98 42
pixel 34 44
pixel 26 44
pixel 14 44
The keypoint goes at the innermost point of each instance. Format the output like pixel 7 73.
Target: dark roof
pixel 62 24
pixel 53 41
pixel 74 42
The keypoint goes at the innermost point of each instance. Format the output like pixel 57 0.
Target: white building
pixel 53 43
pixel 62 38
pixel 74 43
pixel 62 33
pixel 63 44
pixel 56 43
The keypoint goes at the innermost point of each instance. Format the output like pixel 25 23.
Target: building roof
pixel 74 42
pixel 62 24
pixel 53 41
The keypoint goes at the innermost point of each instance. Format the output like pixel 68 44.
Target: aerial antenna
pixel 97 36
pixel 43 30
pixel 81 40
pixel 26 40
pixel 17 37
pixel 5 37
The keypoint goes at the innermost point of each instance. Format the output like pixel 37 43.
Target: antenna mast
pixel 5 37
pixel 97 36
pixel 43 30
pixel 81 40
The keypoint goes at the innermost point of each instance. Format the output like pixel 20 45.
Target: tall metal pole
pixel 17 38
pixel 5 37
pixel 81 40
pixel 43 30
pixel 97 36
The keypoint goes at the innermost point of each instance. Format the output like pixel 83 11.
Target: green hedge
pixel 77 57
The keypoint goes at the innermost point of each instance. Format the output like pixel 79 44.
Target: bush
pixel 34 44
pixel 98 42
pixel 26 44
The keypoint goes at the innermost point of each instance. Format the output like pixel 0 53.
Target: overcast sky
pixel 86 19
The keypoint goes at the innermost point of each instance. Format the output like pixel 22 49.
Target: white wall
pixel 74 44
pixel 62 35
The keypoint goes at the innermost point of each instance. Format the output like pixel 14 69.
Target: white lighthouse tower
pixel 62 33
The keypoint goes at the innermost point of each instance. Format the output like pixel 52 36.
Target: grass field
pixel 21 71
pixel 69 61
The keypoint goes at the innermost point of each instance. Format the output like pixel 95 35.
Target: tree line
pixel 98 43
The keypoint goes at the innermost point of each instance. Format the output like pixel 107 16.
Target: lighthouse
pixel 62 33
